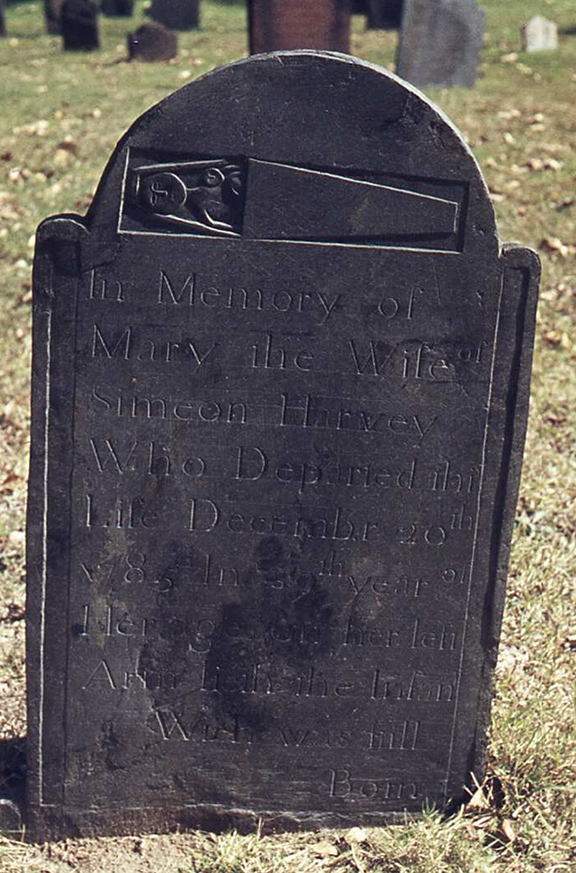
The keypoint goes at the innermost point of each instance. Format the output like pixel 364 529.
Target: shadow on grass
pixel 13 768
pixel 568 31
pixel 12 785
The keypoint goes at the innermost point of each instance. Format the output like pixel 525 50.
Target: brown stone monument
pixel 278 25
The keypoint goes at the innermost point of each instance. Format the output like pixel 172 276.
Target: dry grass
pixel 62 116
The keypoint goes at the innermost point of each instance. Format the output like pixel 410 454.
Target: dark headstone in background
pixel 2 19
pixel 52 15
pixel 79 21
pixel 441 43
pixel 176 14
pixel 281 376
pixel 118 8
pixel 277 25
pixel 152 42
pixel 384 14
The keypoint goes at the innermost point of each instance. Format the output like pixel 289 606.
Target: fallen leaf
pixel 356 835
pixel 508 830
pixel 552 164
pixel 325 850
pixel 478 800
pixel 553 244
pixel 553 337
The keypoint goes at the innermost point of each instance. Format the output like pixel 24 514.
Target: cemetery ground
pixel 62 114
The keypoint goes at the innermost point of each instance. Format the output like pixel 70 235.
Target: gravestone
pixel 176 14
pixel 280 390
pixel 152 42
pixel 2 19
pixel 540 34
pixel 52 15
pixel 79 23
pixel 440 43
pixel 384 14
pixel 118 8
pixel 276 25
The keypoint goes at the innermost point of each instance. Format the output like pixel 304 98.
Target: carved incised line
pixel 268 201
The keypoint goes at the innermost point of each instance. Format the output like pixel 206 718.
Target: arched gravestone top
pixel 281 375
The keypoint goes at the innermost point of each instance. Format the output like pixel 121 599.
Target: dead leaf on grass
pixel 508 830
pixel 554 244
pixel 325 850
pixel 355 836
pixel 478 800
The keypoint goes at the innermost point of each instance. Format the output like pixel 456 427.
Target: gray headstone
pixel 152 42
pixel 279 401
pixel 176 14
pixel 79 23
pixel 540 34
pixel 440 43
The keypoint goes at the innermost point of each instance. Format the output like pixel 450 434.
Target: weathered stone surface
pixel 79 24
pixel 440 43
pixel 281 376
pixel 118 8
pixel 152 42
pixel 540 34
pixel 319 24
pixel 176 14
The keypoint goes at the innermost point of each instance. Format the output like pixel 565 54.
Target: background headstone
pixel 440 43
pixel 79 23
pixel 276 25
pixel 176 14
pixel 52 15
pixel 540 34
pixel 2 19
pixel 118 8
pixel 152 42
pixel 281 377
pixel 384 14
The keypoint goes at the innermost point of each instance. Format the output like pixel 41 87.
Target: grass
pixel 61 118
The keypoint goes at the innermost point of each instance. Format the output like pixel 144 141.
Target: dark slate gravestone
pixel 52 15
pixel 320 24
pixel 2 19
pixel 118 8
pixel 152 42
pixel 441 43
pixel 176 14
pixel 280 395
pixel 384 14
pixel 79 20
